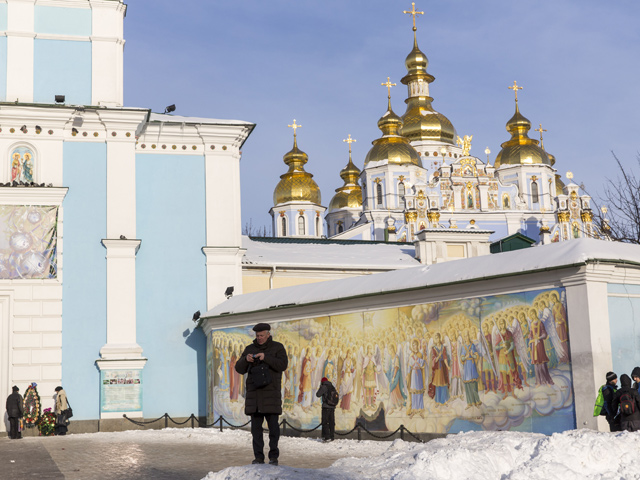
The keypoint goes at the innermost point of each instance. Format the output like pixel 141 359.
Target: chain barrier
pixel 284 424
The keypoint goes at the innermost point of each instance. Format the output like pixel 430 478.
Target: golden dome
pixel 350 194
pixel 296 185
pixel 421 121
pixel 392 147
pixel 520 149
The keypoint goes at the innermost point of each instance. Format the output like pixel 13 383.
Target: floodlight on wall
pixel 229 292
pixel 74 131
pixel 38 129
pixel 170 108
pixel 23 129
pixel 196 316
pixel 60 98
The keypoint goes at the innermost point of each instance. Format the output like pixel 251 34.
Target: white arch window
pixel 301 225
pixel 535 194
pixel 379 194
pixel 284 226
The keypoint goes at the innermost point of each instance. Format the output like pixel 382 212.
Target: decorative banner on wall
pixel 488 363
pixel 120 390
pixel 28 241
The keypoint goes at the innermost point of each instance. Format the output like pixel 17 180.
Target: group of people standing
pixel 620 406
pixel 15 412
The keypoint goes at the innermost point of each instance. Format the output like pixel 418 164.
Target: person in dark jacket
pixel 628 422
pixel 608 391
pixel 635 376
pixel 15 410
pixel 264 403
pixel 328 411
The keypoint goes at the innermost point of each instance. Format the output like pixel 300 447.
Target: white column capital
pixel 121 248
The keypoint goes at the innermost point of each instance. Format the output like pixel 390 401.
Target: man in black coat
pixel 328 411
pixel 628 421
pixel 14 412
pixel 264 403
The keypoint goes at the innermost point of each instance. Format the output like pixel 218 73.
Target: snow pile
pixel 578 454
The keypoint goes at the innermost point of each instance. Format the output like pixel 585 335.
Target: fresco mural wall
pixel 488 363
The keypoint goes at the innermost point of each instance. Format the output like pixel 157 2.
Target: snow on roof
pixel 557 255
pixel 164 118
pixel 327 253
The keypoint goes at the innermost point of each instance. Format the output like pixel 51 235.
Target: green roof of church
pixel 516 241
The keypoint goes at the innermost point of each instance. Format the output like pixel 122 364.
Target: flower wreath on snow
pixel 47 423
pixel 32 408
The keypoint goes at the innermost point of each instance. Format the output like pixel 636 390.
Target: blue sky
pixel 322 62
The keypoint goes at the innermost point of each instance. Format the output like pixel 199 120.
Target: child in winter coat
pixel 330 399
pixel 604 402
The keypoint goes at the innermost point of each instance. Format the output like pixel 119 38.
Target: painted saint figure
pixel 539 359
pixel 504 346
pixel 369 369
pixel 27 168
pixel 306 369
pixel 16 168
pixel 347 375
pixel 415 381
pixel 469 356
pixel 440 367
pixel 397 396
pixel 488 375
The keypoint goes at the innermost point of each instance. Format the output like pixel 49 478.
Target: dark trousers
pixel 14 422
pixel 328 423
pixel 257 419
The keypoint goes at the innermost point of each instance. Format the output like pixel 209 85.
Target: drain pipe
pixel 273 273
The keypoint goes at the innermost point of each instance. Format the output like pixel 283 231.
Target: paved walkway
pixel 76 457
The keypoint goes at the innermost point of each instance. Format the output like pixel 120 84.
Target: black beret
pixel 261 327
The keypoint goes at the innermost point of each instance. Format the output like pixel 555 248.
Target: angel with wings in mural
pixel 489 372
pixel 506 343
pixel 548 318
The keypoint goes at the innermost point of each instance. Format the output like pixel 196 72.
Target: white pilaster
pixel 107 45
pixel 224 269
pixel 121 302
pixel 590 340
pixel 20 37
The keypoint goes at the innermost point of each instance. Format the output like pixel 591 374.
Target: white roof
pixel 563 254
pixel 165 118
pixel 316 253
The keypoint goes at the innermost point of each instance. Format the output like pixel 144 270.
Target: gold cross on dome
pixel 388 85
pixel 349 140
pixel 294 126
pixel 540 130
pixel 413 13
pixel 515 88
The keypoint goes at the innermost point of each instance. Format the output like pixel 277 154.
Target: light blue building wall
pixel 624 326
pixel 62 20
pixel 171 282
pixel 84 279
pixel 62 67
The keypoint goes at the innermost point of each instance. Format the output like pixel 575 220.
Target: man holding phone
pixel 264 401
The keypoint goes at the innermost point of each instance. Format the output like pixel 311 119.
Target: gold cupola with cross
pixel 392 148
pixel 296 185
pixel 421 121
pixel 348 195
pixel 520 149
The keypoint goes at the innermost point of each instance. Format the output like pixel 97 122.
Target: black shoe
pixel 257 462
pixel 274 462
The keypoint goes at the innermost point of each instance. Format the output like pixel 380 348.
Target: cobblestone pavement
pixel 76 457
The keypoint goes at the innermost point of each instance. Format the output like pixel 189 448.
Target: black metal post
pixel 220 423
pixel 166 420
pixel 192 419
pixel 359 436
pixel 402 432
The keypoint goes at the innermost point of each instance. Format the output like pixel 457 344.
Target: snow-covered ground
pixel 577 454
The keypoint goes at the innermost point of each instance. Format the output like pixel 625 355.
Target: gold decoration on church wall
pixel 410 216
pixel 465 143
pixel 563 216
pixel 433 216
pixel 586 216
